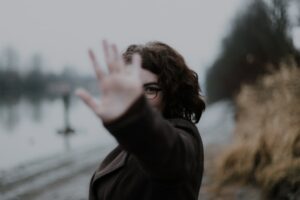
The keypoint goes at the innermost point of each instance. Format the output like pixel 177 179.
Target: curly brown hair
pixel 180 87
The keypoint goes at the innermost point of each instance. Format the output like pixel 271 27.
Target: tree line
pixel 260 38
pixel 14 80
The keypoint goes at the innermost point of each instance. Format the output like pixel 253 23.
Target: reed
pixel 266 147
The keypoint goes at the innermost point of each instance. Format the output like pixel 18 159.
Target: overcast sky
pixel 63 30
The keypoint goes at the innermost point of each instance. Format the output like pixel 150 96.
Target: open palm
pixel 119 88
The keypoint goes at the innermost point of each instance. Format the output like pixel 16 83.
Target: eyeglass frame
pixel 156 89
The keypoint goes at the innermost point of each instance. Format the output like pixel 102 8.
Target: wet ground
pixel 75 187
pixel 67 177
pixel 72 188
pixel 62 177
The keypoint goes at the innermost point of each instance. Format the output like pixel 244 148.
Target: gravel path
pixel 64 177
pixel 74 188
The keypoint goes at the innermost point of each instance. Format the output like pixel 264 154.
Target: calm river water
pixel 29 130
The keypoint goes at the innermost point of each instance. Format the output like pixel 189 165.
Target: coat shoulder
pixel 184 124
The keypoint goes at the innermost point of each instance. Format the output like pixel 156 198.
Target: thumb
pixel 87 98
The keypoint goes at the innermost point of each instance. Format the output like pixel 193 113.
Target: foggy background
pixel 50 142
pixel 61 31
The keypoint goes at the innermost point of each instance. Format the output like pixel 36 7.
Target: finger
pixel 136 62
pixel 99 73
pixel 115 52
pixel 105 50
pixel 117 57
pixel 107 54
pixel 88 99
pixel 110 57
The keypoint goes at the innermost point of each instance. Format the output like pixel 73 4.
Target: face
pixel 152 90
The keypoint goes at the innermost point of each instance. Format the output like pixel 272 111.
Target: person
pixel 149 101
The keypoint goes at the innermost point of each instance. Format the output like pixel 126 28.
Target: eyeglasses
pixel 151 90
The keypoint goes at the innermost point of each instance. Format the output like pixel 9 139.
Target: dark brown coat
pixel 156 158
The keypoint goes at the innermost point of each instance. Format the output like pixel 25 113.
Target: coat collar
pixel 118 162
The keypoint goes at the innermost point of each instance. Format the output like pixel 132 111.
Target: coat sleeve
pixel 164 149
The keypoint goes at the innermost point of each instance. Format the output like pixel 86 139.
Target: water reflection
pixel 67 130
pixel 29 125
pixel 15 107
pixel 9 116
pixel 35 105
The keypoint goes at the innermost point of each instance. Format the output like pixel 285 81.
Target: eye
pixel 151 89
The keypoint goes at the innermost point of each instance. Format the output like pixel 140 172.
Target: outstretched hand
pixel 119 88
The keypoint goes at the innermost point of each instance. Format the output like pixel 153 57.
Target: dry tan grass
pixel 266 150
